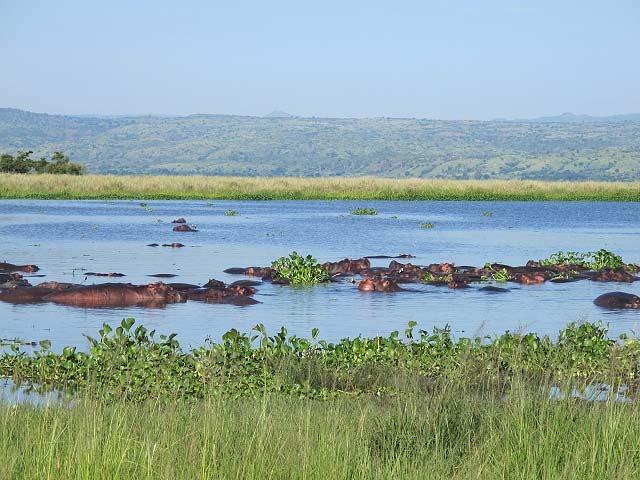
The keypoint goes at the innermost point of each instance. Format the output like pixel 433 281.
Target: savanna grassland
pixel 412 405
pixel 49 186
pixel 563 148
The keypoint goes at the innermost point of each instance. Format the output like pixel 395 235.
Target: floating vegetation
pixel 499 275
pixel 364 211
pixel 488 213
pixel 231 213
pixel 433 278
pixel 598 260
pixel 299 270
pixel 427 225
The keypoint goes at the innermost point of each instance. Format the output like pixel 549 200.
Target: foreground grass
pixel 267 188
pixel 260 406
pixel 451 433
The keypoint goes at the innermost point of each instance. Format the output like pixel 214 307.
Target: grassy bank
pixel 418 405
pixel 263 188
pixel 452 433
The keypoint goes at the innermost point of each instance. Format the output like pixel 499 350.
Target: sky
pixel 451 59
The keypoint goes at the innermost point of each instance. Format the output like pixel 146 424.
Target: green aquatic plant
pixel 299 270
pixel 231 213
pixel 427 225
pixel 364 211
pixel 592 260
pixel 433 278
pixel 488 213
pixel 128 362
pixel 500 275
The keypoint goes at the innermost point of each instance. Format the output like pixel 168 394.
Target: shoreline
pixel 149 187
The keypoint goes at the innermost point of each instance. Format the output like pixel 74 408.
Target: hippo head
pixel 366 285
pixel 29 268
pixel 385 285
pixel 164 291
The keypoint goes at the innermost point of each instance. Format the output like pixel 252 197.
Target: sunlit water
pixel 65 237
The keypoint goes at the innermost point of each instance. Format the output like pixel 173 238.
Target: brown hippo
pixel 173 245
pixel 57 285
pixel 618 300
pixel 611 275
pixel 378 285
pixel 179 220
pixel 347 266
pixel 185 228
pixel 10 277
pixel 216 292
pixel 110 274
pixel 10 267
pixel 116 295
pixel 458 284
pixel 529 278
pixel 25 294
pixel 441 268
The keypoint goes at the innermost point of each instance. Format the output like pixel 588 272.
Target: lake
pixel 67 238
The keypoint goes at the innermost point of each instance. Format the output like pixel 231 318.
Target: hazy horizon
pixel 468 61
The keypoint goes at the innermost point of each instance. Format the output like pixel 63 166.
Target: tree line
pixel 22 162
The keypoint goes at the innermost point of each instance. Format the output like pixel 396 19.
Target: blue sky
pixel 435 59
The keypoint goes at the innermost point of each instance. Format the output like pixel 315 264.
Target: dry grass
pixel 356 188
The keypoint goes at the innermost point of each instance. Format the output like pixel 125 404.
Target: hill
pixel 602 149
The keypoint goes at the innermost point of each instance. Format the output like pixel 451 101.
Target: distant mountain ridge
pixel 568 146
pixel 573 118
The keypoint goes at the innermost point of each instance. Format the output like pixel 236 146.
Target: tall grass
pixel 452 432
pixel 362 188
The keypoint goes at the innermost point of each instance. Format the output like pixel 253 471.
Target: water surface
pixel 67 238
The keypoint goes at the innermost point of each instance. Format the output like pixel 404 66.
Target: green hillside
pixel 598 149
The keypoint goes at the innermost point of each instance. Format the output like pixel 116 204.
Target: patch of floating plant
pixel 364 211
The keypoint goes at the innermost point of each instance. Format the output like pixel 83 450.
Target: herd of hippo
pixel 16 289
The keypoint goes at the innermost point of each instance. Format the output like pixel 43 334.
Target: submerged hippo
pixel 611 275
pixel 179 220
pixel 116 295
pixel 618 300
pixel 185 228
pixel 10 267
pixel 378 285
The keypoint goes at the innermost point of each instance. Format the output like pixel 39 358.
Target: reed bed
pixel 47 186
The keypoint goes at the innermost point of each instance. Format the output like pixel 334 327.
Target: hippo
pixel 441 268
pixel 25 294
pixel 458 284
pixel 216 291
pixel 57 285
pixel 492 289
pixel 347 266
pixel 185 228
pixel 529 278
pixel 402 255
pixel 98 274
pixel 163 275
pixel 173 245
pixel 617 300
pixel 179 220
pixel 117 295
pixel 153 245
pixel 10 268
pixel 10 277
pixel 378 285
pixel 611 275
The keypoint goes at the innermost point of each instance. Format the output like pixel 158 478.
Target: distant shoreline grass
pixel 146 187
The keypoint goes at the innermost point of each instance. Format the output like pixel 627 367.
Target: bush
pixel 23 163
